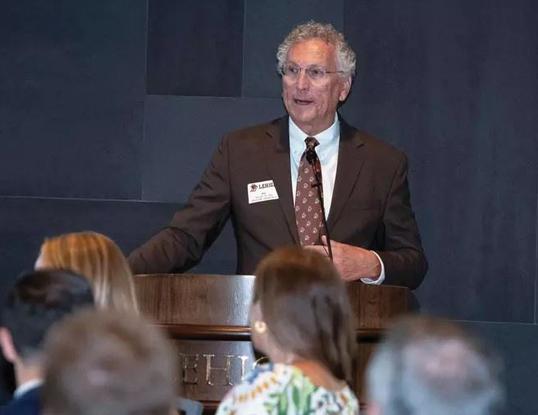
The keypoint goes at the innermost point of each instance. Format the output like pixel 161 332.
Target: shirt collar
pixel 27 386
pixel 326 138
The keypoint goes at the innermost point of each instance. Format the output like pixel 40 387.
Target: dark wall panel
pixel 454 85
pixel 517 345
pixel 26 222
pixel 71 106
pixel 267 22
pixel 181 134
pixel 195 47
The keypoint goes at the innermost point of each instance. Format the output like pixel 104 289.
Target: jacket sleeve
pixel 403 257
pixel 193 229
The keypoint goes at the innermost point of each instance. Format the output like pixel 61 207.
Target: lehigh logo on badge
pixel 261 191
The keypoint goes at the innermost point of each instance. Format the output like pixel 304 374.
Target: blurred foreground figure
pixel 432 367
pixel 301 320
pixel 35 303
pixel 108 363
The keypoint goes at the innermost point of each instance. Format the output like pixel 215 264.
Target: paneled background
pixel 110 110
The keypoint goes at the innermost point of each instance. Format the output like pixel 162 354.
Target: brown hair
pixel 108 363
pixel 306 308
pixel 99 259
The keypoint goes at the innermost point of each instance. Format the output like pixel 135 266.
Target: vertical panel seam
pixel 243 35
pixel 144 107
pixel 536 261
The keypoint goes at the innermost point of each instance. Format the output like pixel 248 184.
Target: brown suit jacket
pixel 370 207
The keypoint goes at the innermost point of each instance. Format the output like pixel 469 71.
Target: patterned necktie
pixel 308 212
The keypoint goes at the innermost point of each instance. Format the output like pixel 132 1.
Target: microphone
pixel 311 156
pixel 313 160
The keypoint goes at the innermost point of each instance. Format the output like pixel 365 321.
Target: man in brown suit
pixel 253 177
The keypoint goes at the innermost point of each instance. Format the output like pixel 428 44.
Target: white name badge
pixel 261 192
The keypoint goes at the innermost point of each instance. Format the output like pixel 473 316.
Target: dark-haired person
pixel 263 178
pixel 426 366
pixel 108 363
pixel 301 319
pixel 37 301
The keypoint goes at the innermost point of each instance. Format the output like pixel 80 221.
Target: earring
pixel 260 327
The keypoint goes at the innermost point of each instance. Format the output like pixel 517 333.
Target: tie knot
pixel 311 142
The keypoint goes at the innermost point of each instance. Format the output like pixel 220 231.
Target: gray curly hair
pixel 346 59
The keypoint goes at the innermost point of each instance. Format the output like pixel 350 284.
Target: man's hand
pixel 352 262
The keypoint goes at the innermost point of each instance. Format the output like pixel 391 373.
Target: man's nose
pixel 303 81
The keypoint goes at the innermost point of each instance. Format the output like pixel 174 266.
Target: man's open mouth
pixel 302 101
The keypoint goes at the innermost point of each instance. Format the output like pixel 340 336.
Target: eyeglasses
pixel 315 73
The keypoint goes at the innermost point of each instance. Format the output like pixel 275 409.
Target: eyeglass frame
pixel 306 70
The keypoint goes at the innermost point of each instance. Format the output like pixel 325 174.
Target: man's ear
pixel 8 348
pixel 346 87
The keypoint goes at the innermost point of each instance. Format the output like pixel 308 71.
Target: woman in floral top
pixel 301 319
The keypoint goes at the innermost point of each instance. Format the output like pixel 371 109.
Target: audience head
pixel 108 363
pixel 427 366
pixel 301 310
pixel 100 260
pixel 36 302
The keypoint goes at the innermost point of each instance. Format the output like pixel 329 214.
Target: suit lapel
pixel 277 150
pixel 350 161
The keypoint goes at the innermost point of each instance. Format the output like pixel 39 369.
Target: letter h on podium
pixel 226 370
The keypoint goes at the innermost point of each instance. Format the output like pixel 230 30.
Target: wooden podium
pixel 206 316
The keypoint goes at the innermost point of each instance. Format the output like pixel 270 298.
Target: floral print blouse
pixel 278 389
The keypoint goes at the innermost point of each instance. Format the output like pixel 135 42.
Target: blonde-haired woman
pixel 99 259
